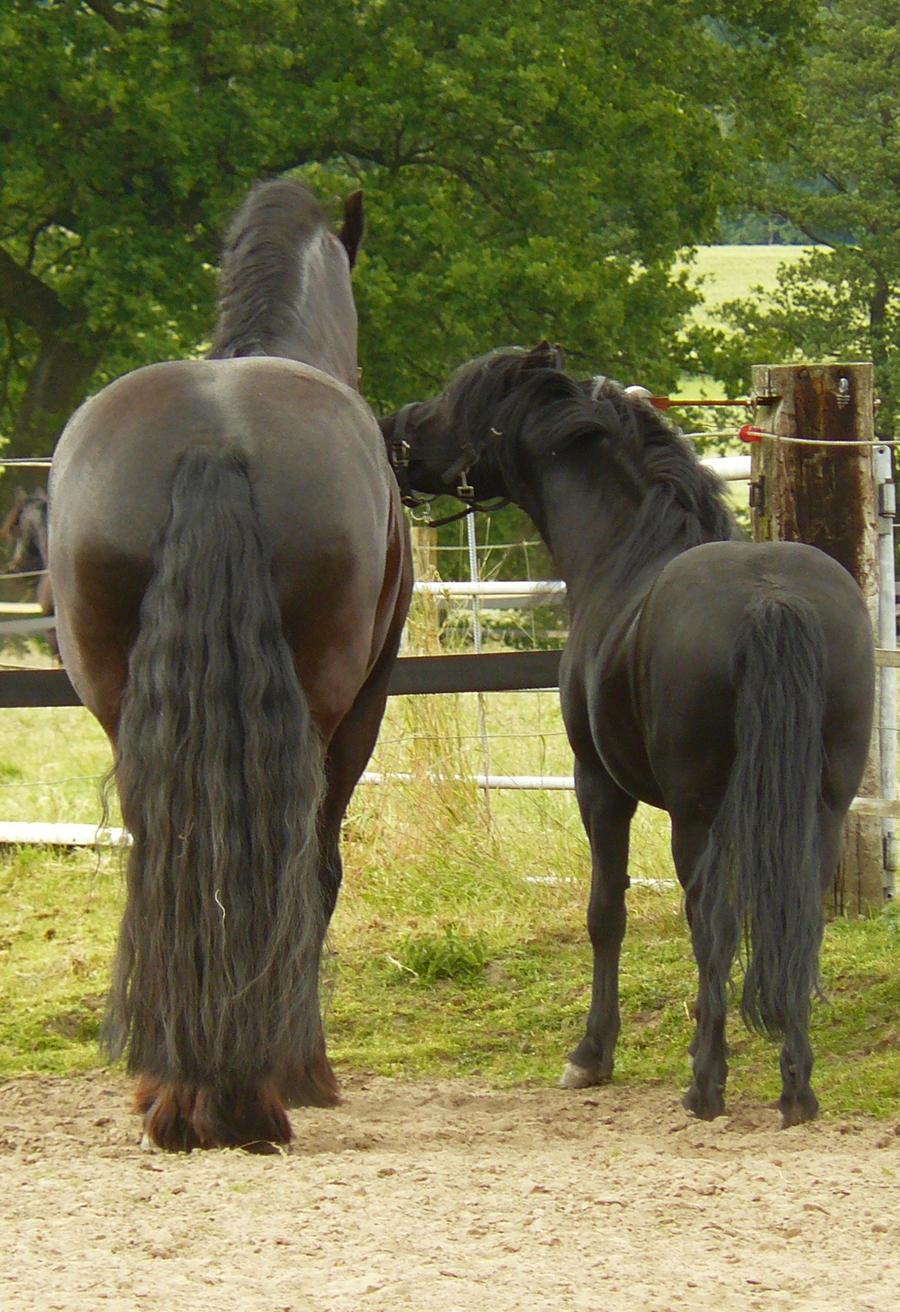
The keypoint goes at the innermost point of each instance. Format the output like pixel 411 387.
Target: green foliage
pixel 529 170
pixel 839 188
pixel 449 955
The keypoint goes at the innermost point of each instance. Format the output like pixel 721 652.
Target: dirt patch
pixel 438 1197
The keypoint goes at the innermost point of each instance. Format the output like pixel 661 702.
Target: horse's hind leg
pixel 181 1117
pixel 713 953
pixel 798 1103
pixel 606 812
pixel 347 755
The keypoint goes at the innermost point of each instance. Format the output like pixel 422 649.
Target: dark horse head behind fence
pixel 26 528
pixel 728 682
pixel 232 571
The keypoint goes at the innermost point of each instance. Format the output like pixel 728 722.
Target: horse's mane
pixel 261 279
pixel 538 412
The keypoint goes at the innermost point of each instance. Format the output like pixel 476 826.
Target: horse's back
pixel 322 489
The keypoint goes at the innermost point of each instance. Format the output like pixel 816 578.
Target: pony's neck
pixel 596 535
pixel 583 529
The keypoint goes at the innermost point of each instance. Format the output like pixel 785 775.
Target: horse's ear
pixel 545 356
pixel 351 234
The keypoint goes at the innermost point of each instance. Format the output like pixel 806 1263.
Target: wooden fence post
pixel 812 489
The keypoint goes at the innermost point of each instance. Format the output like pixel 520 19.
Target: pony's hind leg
pixel 714 948
pixel 705 1098
pixel 606 812
pixel 798 1103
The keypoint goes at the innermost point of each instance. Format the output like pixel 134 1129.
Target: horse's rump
pixel 322 488
pixel 683 648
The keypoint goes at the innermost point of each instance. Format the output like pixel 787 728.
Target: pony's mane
pixel 263 261
pixel 538 412
pixel 682 498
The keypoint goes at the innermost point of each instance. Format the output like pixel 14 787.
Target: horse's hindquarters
pixel 684 655
pixel 224 594
pixel 320 484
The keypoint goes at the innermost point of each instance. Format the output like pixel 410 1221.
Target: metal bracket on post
pixel 887 638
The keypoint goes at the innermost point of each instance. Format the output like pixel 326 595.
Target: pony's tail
pixel 220 773
pixel 760 873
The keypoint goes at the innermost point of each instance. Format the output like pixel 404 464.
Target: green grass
pixel 458 947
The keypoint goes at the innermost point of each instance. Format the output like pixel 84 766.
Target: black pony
pixel 728 682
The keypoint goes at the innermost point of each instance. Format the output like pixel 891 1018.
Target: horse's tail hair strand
pixel 760 874
pixel 220 774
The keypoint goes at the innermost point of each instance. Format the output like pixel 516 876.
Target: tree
pixel 842 191
pixel 529 169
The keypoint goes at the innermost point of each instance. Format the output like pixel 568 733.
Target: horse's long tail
pixel 219 770
pixel 761 870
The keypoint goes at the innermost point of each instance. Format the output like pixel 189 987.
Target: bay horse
pixel 729 683
pixel 26 527
pixel 232 571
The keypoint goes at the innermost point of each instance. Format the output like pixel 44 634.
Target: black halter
pixel 458 473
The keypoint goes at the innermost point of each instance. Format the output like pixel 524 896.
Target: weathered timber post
pixel 808 487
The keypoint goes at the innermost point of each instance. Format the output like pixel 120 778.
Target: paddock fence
pixel 480 672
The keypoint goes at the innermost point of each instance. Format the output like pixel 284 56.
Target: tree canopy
pixel 840 188
pixel 530 169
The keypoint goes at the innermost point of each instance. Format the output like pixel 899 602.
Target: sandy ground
pixel 442 1197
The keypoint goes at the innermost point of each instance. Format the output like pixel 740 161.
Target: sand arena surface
pixel 440 1197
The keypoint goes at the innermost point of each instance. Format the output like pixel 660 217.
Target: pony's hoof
pixel 578 1077
pixel 704 1107
pixel 798 1111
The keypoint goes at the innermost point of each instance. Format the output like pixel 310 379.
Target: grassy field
pixel 458 947
pixel 728 273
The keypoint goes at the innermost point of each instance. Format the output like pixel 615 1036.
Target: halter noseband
pixel 398 455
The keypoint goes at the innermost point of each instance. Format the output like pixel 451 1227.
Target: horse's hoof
pixel 703 1107
pixel 181 1117
pixel 312 1085
pixel 798 1111
pixel 577 1077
